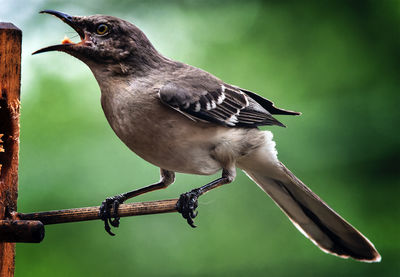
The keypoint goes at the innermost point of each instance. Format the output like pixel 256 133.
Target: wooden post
pixel 10 78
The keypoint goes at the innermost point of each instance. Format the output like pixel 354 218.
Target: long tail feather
pixel 312 216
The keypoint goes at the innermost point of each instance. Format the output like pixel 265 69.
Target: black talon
pixel 105 215
pixel 115 221
pixel 187 205
pixel 105 212
pixel 187 202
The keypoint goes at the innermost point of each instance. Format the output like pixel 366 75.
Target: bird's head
pixel 106 41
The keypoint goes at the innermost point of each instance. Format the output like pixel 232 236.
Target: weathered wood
pixel 92 213
pixel 10 78
pixel 21 231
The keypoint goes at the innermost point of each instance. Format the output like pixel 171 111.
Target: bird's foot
pixel 105 212
pixel 187 205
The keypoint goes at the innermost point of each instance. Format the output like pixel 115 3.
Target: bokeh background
pixel 337 62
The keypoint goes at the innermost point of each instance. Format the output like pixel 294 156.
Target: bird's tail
pixel 312 216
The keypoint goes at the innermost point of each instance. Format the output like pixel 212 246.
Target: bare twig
pixel 92 213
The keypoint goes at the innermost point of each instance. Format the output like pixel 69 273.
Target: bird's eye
pixel 102 29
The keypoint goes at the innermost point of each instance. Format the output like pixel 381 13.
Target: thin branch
pixel 92 213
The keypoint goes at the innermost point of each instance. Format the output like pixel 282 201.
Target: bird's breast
pixel 159 134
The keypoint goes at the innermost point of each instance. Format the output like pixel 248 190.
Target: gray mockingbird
pixel 183 119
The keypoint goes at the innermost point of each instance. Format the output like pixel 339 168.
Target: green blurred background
pixel 338 62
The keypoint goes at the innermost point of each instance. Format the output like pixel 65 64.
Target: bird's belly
pixel 169 142
pixel 185 157
pixel 188 158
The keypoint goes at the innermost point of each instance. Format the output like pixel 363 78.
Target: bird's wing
pixel 220 103
pixel 268 105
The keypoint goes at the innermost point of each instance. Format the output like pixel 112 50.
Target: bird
pixel 183 119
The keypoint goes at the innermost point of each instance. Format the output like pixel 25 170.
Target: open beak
pixel 66 44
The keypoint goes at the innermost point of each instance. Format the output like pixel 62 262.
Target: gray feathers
pixel 219 103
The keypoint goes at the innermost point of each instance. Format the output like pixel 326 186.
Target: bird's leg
pixel 167 178
pixel 187 202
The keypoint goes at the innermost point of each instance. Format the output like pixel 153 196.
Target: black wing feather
pixel 223 104
pixel 268 105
